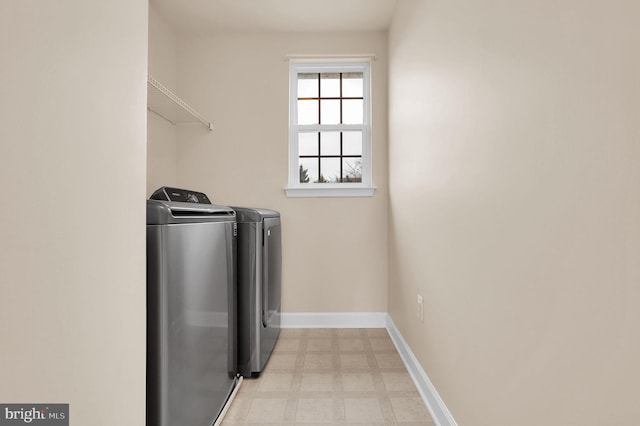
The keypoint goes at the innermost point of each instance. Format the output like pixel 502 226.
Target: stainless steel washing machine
pixel 259 287
pixel 191 318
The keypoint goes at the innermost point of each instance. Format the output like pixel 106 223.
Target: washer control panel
pixel 167 193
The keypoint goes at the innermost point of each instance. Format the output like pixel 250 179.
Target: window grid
pixel 340 98
pixel 341 156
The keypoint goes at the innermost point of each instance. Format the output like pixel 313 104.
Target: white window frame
pixel 347 189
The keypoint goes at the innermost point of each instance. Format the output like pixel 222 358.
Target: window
pixel 330 131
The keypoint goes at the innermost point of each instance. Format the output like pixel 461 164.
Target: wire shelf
pixel 169 106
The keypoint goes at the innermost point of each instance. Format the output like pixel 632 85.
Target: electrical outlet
pixel 420 311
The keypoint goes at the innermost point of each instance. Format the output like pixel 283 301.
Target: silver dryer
pixel 259 287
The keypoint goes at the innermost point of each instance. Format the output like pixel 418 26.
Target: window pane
pixel 352 111
pixel 352 143
pixel 330 143
pixel 329 170
pixel 352 170
pixel 330 112
pixel 308 85
pixel 307 112
pixel 308 169
pixel 330 85
pixel 352 86
pixel 308 143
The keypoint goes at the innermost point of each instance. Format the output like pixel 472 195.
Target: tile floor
pixel 330 376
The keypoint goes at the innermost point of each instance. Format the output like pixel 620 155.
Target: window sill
pixel 323 190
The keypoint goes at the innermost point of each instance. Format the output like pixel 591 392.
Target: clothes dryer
pixel 259 287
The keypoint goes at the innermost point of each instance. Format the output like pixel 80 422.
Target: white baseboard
pixel 439 411
pixel 333 320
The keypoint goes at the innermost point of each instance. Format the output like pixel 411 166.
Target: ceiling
pixel 215 16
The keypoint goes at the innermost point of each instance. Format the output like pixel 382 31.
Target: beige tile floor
pixel 330 376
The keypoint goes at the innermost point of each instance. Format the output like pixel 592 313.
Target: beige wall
pixel 72 241
pixel 161 135
pixel 335 250
pixel 515 206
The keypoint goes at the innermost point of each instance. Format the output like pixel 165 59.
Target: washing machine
pixel 259 273
pixel 191 317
